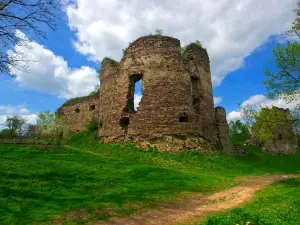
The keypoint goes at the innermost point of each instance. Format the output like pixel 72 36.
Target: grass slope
pixel 100 180
pixel 278 204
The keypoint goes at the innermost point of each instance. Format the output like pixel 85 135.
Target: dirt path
pixel 198 207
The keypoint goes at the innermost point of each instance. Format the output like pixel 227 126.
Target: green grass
pixel 278 204
pixel 90 182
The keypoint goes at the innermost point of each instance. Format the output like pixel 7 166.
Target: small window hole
pixel 183 118
pixel 92 107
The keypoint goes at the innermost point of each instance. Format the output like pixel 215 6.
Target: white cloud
pixel 7 110
pixel 51 73
pixel 137 100
pixel 259 101
pixel 229 29
pixel 218 100
pixel 234 115
pixel 264 101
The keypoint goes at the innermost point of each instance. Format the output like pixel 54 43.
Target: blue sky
pixel 68 60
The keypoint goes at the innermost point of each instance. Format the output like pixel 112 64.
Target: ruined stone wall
pixel 77 112
pixel 222 129
pixel 284 140
pixel 166 106
pixel 177 95
pixel 197 64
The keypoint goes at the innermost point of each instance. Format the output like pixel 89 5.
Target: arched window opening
pixel 77 110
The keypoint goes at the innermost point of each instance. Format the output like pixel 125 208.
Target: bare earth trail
pixel 198 207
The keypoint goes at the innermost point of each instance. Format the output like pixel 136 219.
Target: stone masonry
pixel 284 140
pixel 79 111
pixel 177 96
pixel 222 129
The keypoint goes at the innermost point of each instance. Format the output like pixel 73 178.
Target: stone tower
pixel 177 93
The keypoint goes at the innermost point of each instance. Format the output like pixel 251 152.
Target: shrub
pixel 92 125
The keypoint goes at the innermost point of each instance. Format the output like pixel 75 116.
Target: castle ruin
pixel 177 102
pixel 283 140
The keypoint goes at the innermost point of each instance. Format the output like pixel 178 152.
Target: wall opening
pixel 92 107
pixel 134 94
pixel 183 118
pixel 124 123
pixel 196 93
pixel 77 110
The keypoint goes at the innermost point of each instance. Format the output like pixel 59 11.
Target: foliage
pixel 96 91
pixel 278 204
pixel 295 29
pixel 249 115
pixel 101 180
pixel 30 17
pixel 92 125
pixel 286 80
pixel 50 126
pixel 197 42
pixel 269 122
pixel 15 124
pixel 159 32
pixel 7 132
pixel 238 132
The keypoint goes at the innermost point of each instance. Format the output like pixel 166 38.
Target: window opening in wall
pixel 124 123
pixel 92 107
pixel 135 93
pixel 77 110
pixel 183 118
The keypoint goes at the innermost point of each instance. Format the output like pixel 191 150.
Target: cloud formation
pixel 218 100
pixel 229 29
pixel 50 73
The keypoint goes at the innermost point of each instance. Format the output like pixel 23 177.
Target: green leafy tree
pixel 197 42
pixel 159 32
pixel 6 132
pixel 15 124
pixel 249 115
pixel 285 80
pixel 238 132
pixel 269 123
pixel 295 29
pixel 50 126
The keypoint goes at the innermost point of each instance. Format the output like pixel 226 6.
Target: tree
pixel 15 124
pixel 6 132
pixel 159 32
pixel 29 17
pixel 197 42
pixel 285 82
pixel 238 132
pixel 295 29
pixel 249 115
pixel 270 123
pixel 50 126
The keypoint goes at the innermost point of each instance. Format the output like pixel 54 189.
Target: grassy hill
pixel 86 182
